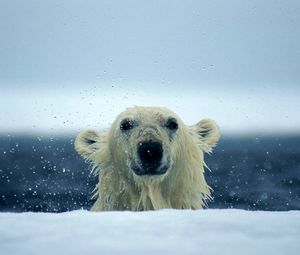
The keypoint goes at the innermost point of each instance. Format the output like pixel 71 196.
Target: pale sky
pixel 71 109
pixel 65 65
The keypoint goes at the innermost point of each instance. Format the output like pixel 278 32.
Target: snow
pixel 211 231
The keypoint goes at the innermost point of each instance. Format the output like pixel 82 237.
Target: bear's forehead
pixel 147 113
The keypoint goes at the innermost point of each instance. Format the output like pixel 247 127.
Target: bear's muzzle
pixel 150 158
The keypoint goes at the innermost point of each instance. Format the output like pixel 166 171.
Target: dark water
pixel 253 173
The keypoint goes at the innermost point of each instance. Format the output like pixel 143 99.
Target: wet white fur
pixel 119 188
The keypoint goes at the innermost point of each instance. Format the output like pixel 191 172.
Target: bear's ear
pixel 208 133
pixel 87 142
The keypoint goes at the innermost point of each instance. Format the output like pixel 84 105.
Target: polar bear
pixel 148 160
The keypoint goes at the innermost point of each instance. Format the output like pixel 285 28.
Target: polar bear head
pixel 151 145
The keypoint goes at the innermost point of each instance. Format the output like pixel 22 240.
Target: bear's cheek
pixel 118 150
pixel 125 148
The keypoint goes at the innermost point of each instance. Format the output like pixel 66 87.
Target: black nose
pixel 150 154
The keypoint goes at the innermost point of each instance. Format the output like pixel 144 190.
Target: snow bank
pixel 153 232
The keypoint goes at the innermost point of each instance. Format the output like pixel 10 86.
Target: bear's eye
pixel 172 124
pixel 126 125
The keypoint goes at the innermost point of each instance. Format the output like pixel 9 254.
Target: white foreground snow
pixel 154 232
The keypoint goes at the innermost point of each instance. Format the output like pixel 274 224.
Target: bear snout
pixel 150 156
pixel 150 152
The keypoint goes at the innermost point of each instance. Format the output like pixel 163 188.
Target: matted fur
pixel 183 186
